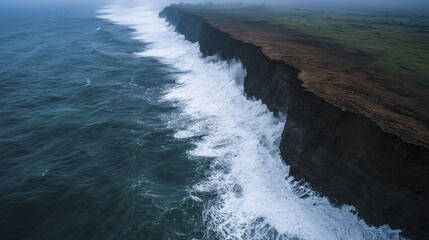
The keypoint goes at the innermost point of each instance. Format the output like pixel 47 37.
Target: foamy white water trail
pixel 255 198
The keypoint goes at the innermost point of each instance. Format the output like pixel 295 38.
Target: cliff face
pixel 343 154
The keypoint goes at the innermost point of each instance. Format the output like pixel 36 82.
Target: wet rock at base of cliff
pixel 342 154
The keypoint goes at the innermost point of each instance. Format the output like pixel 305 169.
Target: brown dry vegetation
pixel 352 80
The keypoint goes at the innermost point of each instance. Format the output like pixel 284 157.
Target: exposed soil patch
pixel 348 79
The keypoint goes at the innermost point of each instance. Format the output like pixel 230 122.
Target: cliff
pixel 341 151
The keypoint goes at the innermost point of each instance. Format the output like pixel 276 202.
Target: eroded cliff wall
pixel 342 154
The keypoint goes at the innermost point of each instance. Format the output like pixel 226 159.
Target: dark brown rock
pixel 343 154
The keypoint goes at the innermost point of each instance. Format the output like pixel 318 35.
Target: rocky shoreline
pixel 343 154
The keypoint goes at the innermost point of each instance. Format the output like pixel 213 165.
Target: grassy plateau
pixel 397 39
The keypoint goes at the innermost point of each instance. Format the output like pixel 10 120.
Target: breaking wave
pixel 237 140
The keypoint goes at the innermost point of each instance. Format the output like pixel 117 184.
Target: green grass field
pixel 398 40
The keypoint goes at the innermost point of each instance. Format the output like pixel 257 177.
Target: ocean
pixel 113 126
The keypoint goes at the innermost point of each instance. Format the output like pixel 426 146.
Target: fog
pixel 298 3
pixel 387 4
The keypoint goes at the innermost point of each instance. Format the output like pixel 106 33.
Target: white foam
pixel 255 197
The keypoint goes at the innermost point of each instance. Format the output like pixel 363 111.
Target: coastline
pixel 341 153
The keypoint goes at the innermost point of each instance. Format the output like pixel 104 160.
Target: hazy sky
pixel 311 3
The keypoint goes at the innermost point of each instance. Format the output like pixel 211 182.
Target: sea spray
pixel 237 139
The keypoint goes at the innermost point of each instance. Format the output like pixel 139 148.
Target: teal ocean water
pixel 114 127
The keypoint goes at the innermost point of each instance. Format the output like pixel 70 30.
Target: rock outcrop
pixel 343 154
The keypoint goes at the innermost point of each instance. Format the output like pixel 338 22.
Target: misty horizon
pixel 314 4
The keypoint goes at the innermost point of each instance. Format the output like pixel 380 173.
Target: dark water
pixel 85 151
